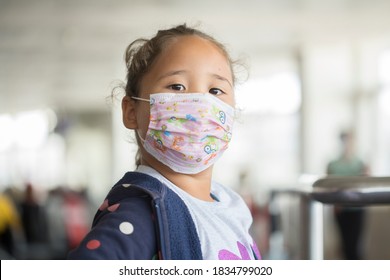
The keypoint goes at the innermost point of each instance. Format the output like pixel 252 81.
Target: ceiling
pixel 68 54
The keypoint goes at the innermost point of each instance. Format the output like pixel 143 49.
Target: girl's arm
pixel 124 230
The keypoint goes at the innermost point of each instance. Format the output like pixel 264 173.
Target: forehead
pixel 193 50
pixel 189 42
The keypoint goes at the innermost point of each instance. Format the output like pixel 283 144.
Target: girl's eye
pixel 177 87
pixel 216 91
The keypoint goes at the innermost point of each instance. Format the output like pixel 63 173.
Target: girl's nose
pixel 197 90
pixel 197 85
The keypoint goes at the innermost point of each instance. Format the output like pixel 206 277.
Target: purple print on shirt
pixel 245 255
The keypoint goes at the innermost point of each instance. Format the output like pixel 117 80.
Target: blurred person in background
pixel 9 223
pixel 33 218
pixel 350 220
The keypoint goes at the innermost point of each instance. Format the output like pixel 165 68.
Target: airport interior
pixel 313 84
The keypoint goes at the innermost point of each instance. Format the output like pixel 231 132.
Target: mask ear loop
pixel 137 131
pixel 140 137
pixel 139 98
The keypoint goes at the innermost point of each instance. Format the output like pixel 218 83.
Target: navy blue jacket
pixel 142 219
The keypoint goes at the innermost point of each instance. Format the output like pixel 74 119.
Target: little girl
pixel 180 102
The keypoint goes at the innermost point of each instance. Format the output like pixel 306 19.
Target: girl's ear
pixel 129 113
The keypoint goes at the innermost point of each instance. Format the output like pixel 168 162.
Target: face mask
pixel 188 132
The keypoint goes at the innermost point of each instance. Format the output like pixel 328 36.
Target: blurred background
pixel 313 69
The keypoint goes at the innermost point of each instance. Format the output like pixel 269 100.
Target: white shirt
pixel 222 226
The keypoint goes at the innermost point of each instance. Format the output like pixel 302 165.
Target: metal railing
pixel 359 191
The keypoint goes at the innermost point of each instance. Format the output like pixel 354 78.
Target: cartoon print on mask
pixel 158 143
pixel 188 132
pixel 219 114
pixel 177 121
pixel 210 145
pixel 222 116
pixel 178 142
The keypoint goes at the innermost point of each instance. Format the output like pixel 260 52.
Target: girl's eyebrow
pixel 171 73
pixel 219 77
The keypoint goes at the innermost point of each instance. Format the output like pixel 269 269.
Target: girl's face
pixel 189 64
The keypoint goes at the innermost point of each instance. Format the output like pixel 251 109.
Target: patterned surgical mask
pixel 188 132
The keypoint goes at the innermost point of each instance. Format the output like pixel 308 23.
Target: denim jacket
pixel 142 219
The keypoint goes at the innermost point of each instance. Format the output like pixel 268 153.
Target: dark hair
pixel 142 53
